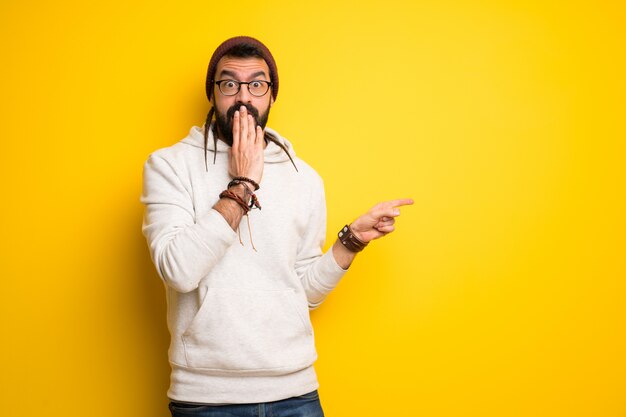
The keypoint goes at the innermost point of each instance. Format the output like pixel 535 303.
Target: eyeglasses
pixel 257 88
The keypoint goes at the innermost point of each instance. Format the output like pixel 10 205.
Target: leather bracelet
pixel 254 202
pixel 350 241
pixel 248 194
pixel 230 195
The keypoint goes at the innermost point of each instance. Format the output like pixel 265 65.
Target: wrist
pixel 357 233
pixel 240 189
pixel 233 196
pixel 244 190
pixel 343 256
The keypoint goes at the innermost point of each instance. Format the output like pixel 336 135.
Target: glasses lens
pixel 258 88
pixel 229 87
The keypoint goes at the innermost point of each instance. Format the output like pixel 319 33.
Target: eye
pixel 230 84
pixel 256 84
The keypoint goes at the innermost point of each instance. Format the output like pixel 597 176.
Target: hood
pixel 273 153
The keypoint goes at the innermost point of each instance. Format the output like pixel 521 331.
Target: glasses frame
pixel 240 83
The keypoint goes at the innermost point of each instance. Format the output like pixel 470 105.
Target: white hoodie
pixel 238 319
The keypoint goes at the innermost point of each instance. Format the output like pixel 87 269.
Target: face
pixel 244 70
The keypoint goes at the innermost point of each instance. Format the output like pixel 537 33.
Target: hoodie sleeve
pixel 184 245
pixel 319 273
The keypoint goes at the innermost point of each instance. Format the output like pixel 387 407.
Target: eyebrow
pixel 234 75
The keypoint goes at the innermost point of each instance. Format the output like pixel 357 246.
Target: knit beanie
pixel 226 47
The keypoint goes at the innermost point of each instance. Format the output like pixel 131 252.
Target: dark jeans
pixel 307 405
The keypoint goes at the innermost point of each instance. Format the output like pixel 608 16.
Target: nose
pixel 244 96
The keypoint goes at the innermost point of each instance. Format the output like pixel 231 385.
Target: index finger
pixel 236 130
pixel 400 202
pixel 388 208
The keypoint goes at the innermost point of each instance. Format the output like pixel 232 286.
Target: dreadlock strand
pixel 214 146
pixel 207 125
pixel 271 138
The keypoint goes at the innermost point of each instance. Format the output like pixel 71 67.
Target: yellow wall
pixel 501 294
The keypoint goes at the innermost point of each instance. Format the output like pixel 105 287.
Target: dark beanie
pixel 225 48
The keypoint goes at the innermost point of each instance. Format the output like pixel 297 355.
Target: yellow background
pixel 502 291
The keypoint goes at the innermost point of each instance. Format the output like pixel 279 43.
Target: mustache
pixel 251 109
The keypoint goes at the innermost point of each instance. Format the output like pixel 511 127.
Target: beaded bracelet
pixel 245 179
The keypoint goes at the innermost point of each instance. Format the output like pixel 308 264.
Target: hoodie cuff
pixel 218 235
pixel 329 273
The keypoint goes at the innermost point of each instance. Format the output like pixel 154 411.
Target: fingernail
pixel 242 108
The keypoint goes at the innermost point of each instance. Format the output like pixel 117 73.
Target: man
pixel 242 341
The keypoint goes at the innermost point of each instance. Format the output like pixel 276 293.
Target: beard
pixel 224 122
